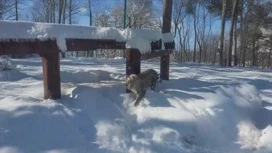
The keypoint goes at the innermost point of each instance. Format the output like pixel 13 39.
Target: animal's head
pixel 129 80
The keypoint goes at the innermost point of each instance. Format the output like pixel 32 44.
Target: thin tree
pixel 222 32
pixel 70 11
pixel 60 10
pixel 16 10
pixel 233 20
pixel 235 58
pixel 195 31
pixel 64 11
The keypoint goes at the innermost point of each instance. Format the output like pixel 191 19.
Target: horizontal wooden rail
pixel 30 46
pixel 90 44
pixel 157 53
pixel 27 46
pixel 75 44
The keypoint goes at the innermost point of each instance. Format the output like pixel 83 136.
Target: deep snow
pixel 202 109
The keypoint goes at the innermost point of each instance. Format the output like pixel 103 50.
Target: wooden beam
pixel 27 46
pixel 156 54
pixel 91 44
pixel 167 17
pixel 51 75
pixel 30 46
pixel 133 62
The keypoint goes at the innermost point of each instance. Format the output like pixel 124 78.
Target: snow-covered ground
pixel 202 109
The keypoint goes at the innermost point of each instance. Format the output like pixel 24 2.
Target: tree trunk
pixel 64 12
pixel 243 36
pixel 194 56
pixel 253 53
pixel 180 43
pixel 91 15
pixel 16 10
pixel 214 56
pixel 60 10
pixel 269 58
pixel 47 12
pixel 235 44
pixel 70 11
pixel 53 11
pixel 233 19
pixel 222 33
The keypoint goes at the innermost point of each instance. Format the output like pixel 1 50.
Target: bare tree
pixel 195 16
pixel 102 19
pixel 222 31
pixel 233 20
pixel 5 7
pixel 61 3
pixel 64 11
pixel 140 13
pixel 74 8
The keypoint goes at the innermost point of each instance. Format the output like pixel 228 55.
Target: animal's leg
pixel 153 84
pixel 139 97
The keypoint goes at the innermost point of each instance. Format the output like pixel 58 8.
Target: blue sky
pixel 106 5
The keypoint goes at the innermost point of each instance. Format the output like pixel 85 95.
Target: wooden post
pixel 166 27
pixel 51 75
pixel 133 62
pixel 164 69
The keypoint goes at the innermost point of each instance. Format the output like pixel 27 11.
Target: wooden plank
pixel 90 44
pixel 51 75
pixel 133 62
pixel 27 46
pixel 156 54
pixel 30 46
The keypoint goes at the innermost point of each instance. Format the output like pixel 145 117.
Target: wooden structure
pixel 49 51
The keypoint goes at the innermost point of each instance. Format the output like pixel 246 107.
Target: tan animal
pixel 138 84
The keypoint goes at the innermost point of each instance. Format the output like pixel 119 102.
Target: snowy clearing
pixel 202 109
